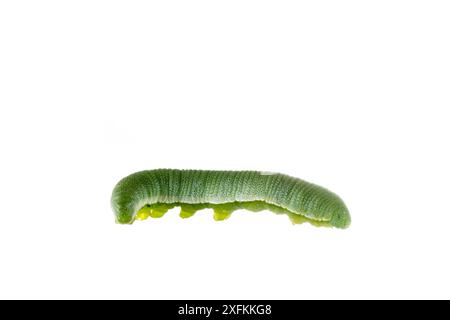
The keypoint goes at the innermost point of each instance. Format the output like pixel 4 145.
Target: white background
pixel 351 95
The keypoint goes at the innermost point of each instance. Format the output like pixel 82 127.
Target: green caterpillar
pixel 153 192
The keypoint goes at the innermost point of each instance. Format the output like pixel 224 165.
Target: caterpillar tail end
pixel 122 219
pixel 126 216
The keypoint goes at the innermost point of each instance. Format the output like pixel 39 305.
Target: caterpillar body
pixel 153 192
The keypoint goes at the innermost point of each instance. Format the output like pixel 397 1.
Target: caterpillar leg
pixel 297 219
pixel 144 213
pixel 221 214
pixel 187 211
pixel 151 211
pixel 159 212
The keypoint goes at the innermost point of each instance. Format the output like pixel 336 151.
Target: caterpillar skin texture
pixel 153 192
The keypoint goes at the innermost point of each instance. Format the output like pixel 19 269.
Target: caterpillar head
pixel 340 217
pixel 324 205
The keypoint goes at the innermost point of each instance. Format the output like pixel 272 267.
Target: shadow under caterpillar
pixel 152 193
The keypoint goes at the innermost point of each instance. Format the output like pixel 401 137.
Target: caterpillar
pixel 152 193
